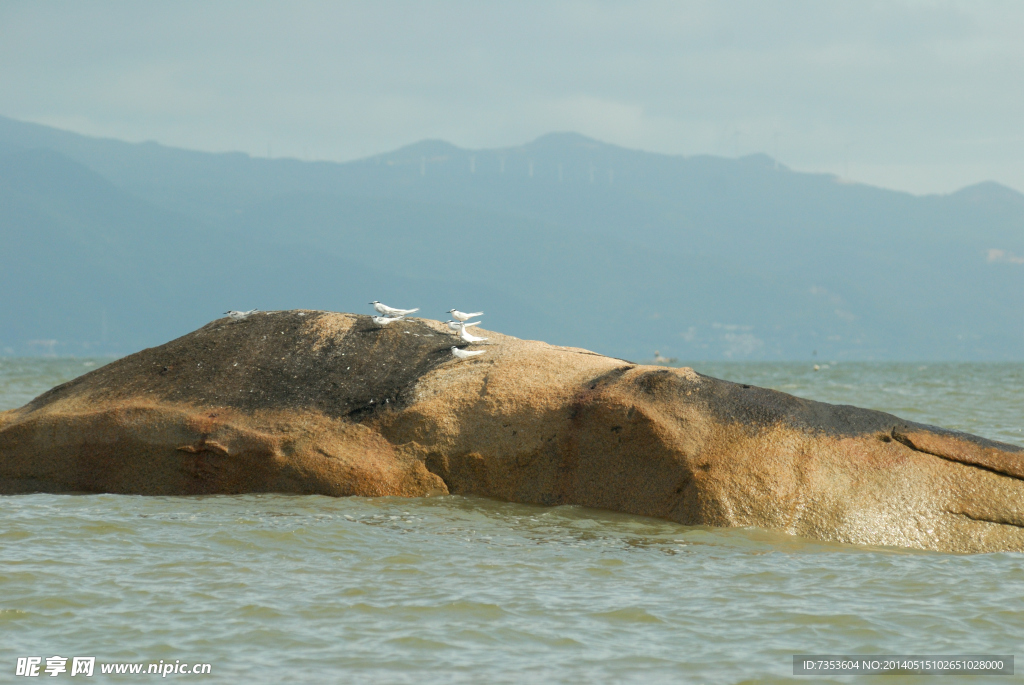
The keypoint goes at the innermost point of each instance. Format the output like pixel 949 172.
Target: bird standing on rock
pixel 232 314
pixel 469 337
pixel 391 311
pixel 463 316
pixel 385 320
pixel 459 325
pixel 465 354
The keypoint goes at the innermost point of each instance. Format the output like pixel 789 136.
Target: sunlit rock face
pixel 318 402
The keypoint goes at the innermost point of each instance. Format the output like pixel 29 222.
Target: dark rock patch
pixel 271 360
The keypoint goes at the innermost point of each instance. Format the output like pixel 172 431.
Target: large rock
pixel 315 402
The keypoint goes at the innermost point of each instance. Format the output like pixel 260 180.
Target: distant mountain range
pixel 111 246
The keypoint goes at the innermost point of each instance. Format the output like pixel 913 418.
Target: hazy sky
pixel 921 96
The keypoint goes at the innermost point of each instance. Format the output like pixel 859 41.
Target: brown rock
pixel 315 402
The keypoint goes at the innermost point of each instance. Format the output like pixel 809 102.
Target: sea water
pixel 277 588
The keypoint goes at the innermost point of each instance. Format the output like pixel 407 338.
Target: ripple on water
pixel 465 587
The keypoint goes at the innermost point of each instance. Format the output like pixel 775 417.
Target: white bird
pixel 458 325
pixel 465 354
pixel 391 311
pixel 463 316
pixel 469 337
pixel 240 315
pixel 385 320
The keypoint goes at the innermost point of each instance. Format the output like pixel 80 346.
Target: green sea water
pixel 274 588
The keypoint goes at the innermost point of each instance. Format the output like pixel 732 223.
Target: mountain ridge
pixel 46 137
pixel 582 242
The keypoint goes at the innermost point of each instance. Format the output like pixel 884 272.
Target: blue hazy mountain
pixel 111 246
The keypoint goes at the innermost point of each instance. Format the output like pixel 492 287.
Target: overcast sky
pixel 920 96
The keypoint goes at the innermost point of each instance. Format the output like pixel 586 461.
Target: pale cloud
pixel 1004 256
pixel 738 345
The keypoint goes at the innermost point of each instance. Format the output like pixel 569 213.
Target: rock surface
pixel 317 402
